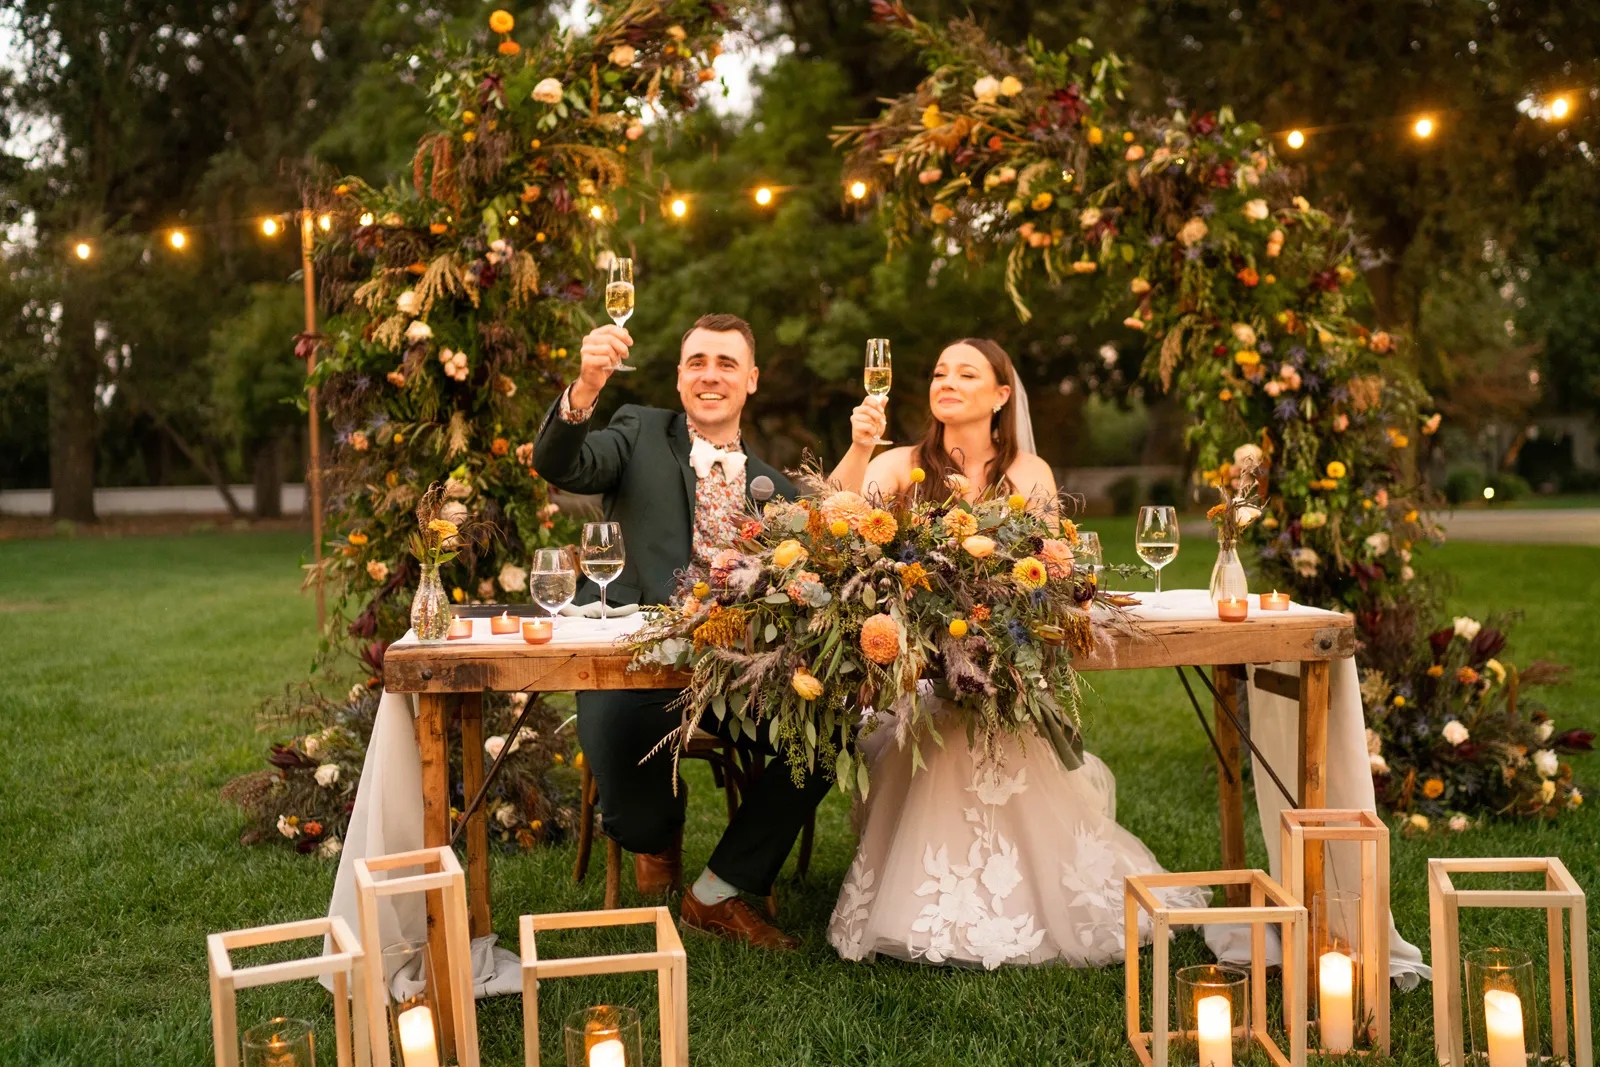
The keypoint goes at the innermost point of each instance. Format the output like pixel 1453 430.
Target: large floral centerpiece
pixel 834 610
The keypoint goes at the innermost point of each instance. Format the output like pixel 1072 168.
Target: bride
pixel 1017 861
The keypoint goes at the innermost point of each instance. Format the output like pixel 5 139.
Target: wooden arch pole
pixel 314 473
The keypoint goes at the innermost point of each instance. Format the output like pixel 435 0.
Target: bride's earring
pixel 998 406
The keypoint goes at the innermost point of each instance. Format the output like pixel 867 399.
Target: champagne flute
pixel 1087 557
pixel 878 373
pixel 619 297
pixel 1156 537
pixel 553 581
pixel 602 556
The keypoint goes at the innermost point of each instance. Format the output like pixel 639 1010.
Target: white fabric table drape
pixel 388 810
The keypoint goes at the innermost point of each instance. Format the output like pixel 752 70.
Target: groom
pixel 679 483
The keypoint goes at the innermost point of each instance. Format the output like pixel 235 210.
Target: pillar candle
pixel 1502 1018
pixel 608 1053
pixel 1336 983
pixel 417 1047
pixel 1214 1017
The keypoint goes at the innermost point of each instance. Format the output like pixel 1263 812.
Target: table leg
pixel 433 721
pixel 1313 762
pixel 478 822
pixel 1230 784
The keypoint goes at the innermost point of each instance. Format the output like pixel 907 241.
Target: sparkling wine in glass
pixel 878 372
pixel 553 581
pixel 1087 558
pixel 619 297
pixel 1156 538
pixel 602 556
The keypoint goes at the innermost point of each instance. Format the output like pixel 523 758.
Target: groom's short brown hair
pixel 723 324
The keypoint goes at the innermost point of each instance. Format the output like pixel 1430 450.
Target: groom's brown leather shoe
pixel 735 920
pixel 662 873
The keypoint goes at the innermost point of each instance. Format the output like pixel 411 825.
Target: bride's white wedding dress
pixel 1018 862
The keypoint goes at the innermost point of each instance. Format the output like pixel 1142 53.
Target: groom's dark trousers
pixel 639 464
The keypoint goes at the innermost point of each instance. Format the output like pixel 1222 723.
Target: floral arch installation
pixel 1248 297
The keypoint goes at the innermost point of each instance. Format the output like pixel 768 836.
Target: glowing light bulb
pixel 858 190
pixel 512 220
pixel 679 208
pixel 1559 107
pixel 598 212
pixel 83 250
pixel 1296 139
pixel 326 222
pixel 366 218
pixel 1424 127
pixel 763 196
pixel 177 240
pixel 269 227
pixel 1488 492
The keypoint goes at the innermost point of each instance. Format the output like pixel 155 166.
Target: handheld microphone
pixel 761 488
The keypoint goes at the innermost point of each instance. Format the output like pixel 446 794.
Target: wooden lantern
pixel 343 966
pixel 1312 826
pixel 1270 904
pixel 452 948
pixel 1561 893
pixel 668 961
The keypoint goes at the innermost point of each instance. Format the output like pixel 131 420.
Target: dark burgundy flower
pixel 1326 280
pixel 1222 175
pixel 1440 640
pixel 490 88
pixel 1070 102
pixel 305 344
pixel 1488 644
pixel 289 758
pixel 372 655
pixel 560 198
pixel 1574 741
pixel 1203 125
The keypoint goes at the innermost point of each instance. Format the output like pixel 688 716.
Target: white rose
pixel 986 89
pixel 1378 764
pixel 1090 216
pixel 548 91
pixel 310 743
pixel 1378 542
pixel 418 331
pixel 506 816
pixel 1248 456
pixel 1245 334
pixel 1467 628
pixel 1406 574
pixel 1544 730
pixel 1255 210
pixel 330 847
pixel 288 829
pixel 1459 823
pixel 1455 733
pixel 327 774
pixel 493 746
pixel 513 579
pixel 1546 763
pixel 409 302
pixel 1192 232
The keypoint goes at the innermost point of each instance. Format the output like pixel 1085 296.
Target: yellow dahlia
pixel 958 523
pixel 1029 573
pixel 880 638
pixel 878 527
pixel 444 528
pixel 502 22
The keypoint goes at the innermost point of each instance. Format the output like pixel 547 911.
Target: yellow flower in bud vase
pixel 1336 469
pixel 444 528
pixel 502 22
pixel 931 119
pixel 838 527
pixel 958 627
pixel 1017 501
pixel 918 475
pixel 788 553
pixel 702 590
pixel 806 684
pixel 458 594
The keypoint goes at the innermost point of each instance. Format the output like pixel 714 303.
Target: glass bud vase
pixel 1227 576
pixel 430 608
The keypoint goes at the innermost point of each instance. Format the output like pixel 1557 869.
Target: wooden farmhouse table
pixel 450 679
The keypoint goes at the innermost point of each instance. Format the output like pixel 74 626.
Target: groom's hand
pixel 603 348
pixel 867 421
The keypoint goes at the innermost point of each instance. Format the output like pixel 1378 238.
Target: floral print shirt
pixel 718 507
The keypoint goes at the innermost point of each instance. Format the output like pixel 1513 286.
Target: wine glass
pixel 602 555
pixel 878 373
pixel 1087 557
pixel 553 581
pixel 619 297
pixel 1156 538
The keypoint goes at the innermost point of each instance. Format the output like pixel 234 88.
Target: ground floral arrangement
pixel 1251 306
pixel 455 300
pixel 305 799
pixel 834 610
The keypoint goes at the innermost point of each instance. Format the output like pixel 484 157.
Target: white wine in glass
pixel 603 556
pixel 1156 537
pixel 552 581
pixel 619 297
pixel 878 373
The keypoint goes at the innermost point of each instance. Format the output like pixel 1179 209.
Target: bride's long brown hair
pixel 939 464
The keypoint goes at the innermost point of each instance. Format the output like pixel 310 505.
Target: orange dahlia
pixel 979 613
pixel 880 638
pixel 847 506
pixel 502 22
pixel 878 526
pixel 959 523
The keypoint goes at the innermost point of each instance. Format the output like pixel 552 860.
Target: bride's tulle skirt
pixel 1018 862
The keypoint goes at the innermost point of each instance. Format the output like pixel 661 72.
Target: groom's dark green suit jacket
pixel 639 464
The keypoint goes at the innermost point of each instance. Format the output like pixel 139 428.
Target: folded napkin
pixel 592 611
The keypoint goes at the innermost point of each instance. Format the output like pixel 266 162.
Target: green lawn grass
pixel 133 671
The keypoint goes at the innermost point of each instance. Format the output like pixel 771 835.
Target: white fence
pixel 152 500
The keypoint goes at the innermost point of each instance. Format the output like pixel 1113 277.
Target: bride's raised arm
pixel 867 423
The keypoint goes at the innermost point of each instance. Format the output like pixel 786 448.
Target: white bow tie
pixel 704 455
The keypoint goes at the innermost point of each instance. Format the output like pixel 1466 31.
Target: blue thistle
pixel 1155 240
pixel 1018 632
pixel 908 553
pixel 1285 411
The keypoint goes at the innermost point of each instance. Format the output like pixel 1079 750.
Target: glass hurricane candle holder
pixel 606 1036
pixel 279 1042
pixel 1501 1008
pixel 1337 959
pixel 1213 1015
pixel 411 997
